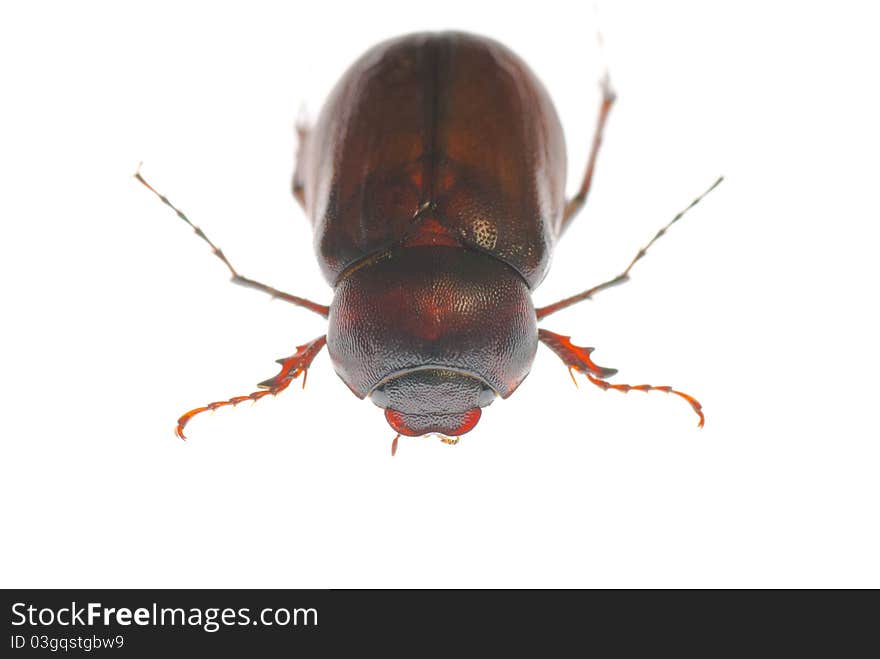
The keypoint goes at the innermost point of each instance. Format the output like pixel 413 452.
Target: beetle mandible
pixel 434 179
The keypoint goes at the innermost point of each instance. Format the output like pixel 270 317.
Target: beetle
pixel 434 179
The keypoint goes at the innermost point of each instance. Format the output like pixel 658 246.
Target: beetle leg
pixel 578 359
pixel 576 203
pixel 575 357
pixel 302 133
pixel 321 309
pixel 625 388
pixel 543 312
pixel 291 368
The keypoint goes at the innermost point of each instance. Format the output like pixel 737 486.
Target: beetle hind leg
pixel 577 358
pixel 291 368
pixel 303 130
pixel 574 205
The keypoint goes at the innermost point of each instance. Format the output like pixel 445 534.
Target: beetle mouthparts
pixel 445 425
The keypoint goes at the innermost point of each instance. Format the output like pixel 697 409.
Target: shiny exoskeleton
pixel 434 179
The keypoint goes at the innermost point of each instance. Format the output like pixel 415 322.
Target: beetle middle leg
pixel 320 309
pixel 577 358
pixel 623 277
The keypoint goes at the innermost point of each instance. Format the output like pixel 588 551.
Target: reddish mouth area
pixel 415 425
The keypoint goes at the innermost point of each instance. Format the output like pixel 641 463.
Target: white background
pixel 761 303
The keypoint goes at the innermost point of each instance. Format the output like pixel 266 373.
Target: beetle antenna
pixel 320 309
pixel 623 277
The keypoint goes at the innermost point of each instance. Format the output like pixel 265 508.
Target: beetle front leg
pixel 575 357
pixel 320 309
pixel 578 359
pixel 291 368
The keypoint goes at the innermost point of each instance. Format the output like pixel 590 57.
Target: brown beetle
pixel 434 179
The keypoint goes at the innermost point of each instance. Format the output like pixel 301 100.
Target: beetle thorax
pixel 432 333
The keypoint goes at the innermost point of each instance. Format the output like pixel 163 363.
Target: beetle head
pixel 432 400
pixel 432 333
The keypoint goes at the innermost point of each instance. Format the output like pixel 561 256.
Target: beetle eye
pixel 486 397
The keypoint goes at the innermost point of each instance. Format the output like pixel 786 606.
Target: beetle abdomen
pixel 436 130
